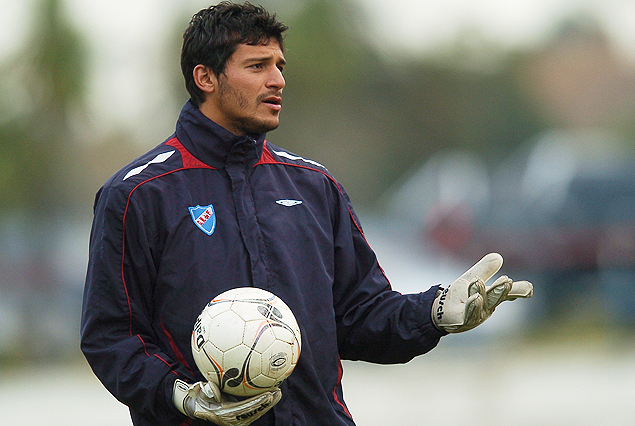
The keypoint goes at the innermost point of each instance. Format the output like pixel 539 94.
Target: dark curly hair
pixel 214 33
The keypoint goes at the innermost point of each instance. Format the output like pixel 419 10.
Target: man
pixel 274 220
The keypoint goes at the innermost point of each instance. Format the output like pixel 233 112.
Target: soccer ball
pixel 246 340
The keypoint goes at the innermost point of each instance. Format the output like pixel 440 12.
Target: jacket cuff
pixel 429 329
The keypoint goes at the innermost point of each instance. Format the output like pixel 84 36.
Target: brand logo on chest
pixel 204 217
pixel 289 203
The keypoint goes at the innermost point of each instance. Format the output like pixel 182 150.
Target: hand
pixel 203 400
pixel 467 302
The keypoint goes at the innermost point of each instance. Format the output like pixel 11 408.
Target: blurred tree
pixel 41 107
pixel 447 106
pixel 370 120
pixel 326 94
pixel 44 96
pixel 578 79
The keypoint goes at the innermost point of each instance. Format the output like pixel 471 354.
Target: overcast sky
pixel 415 24
pixel 126 36
pixel 425 24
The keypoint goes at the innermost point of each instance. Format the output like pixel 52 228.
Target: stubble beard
pixel 248 125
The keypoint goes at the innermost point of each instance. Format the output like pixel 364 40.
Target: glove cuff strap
pixel 180 396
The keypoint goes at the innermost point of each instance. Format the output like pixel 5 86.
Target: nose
pixel 276 79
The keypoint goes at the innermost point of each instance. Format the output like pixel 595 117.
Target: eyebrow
pixel 282 61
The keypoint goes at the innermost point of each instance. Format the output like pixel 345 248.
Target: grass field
pixel 462 382
pixel 572 384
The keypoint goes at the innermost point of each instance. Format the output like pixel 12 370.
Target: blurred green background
pixel 456 128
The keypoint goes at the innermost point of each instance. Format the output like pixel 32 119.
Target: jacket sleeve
pixel 117 337
pixel 375 323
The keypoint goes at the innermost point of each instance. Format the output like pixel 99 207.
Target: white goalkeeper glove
pixel 467 302
pixel 203 400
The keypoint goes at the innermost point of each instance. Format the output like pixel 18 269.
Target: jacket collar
pixel 214 145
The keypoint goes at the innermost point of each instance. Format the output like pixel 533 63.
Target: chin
pixel 265 127
pixel 256 127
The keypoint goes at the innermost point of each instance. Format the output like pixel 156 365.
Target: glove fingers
pixel 498 291
pixel 484 268
pixel 477 286
pixel 475 303
pixel 244 412
pixel 246 404
pixel 522 289
pixel 277 395
pixel 474 313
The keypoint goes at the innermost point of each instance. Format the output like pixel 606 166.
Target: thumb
pixel 211 391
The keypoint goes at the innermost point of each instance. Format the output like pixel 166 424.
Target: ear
pixel 205 79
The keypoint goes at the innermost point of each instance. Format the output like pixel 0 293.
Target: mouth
pixel 273 102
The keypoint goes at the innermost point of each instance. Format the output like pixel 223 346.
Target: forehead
pixel 258 51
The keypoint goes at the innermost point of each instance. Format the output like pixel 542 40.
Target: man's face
pixel 248 94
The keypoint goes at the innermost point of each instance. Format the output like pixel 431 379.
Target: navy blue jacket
pixel 280 222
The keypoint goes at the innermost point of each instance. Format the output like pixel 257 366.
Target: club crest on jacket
pixel 204 217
